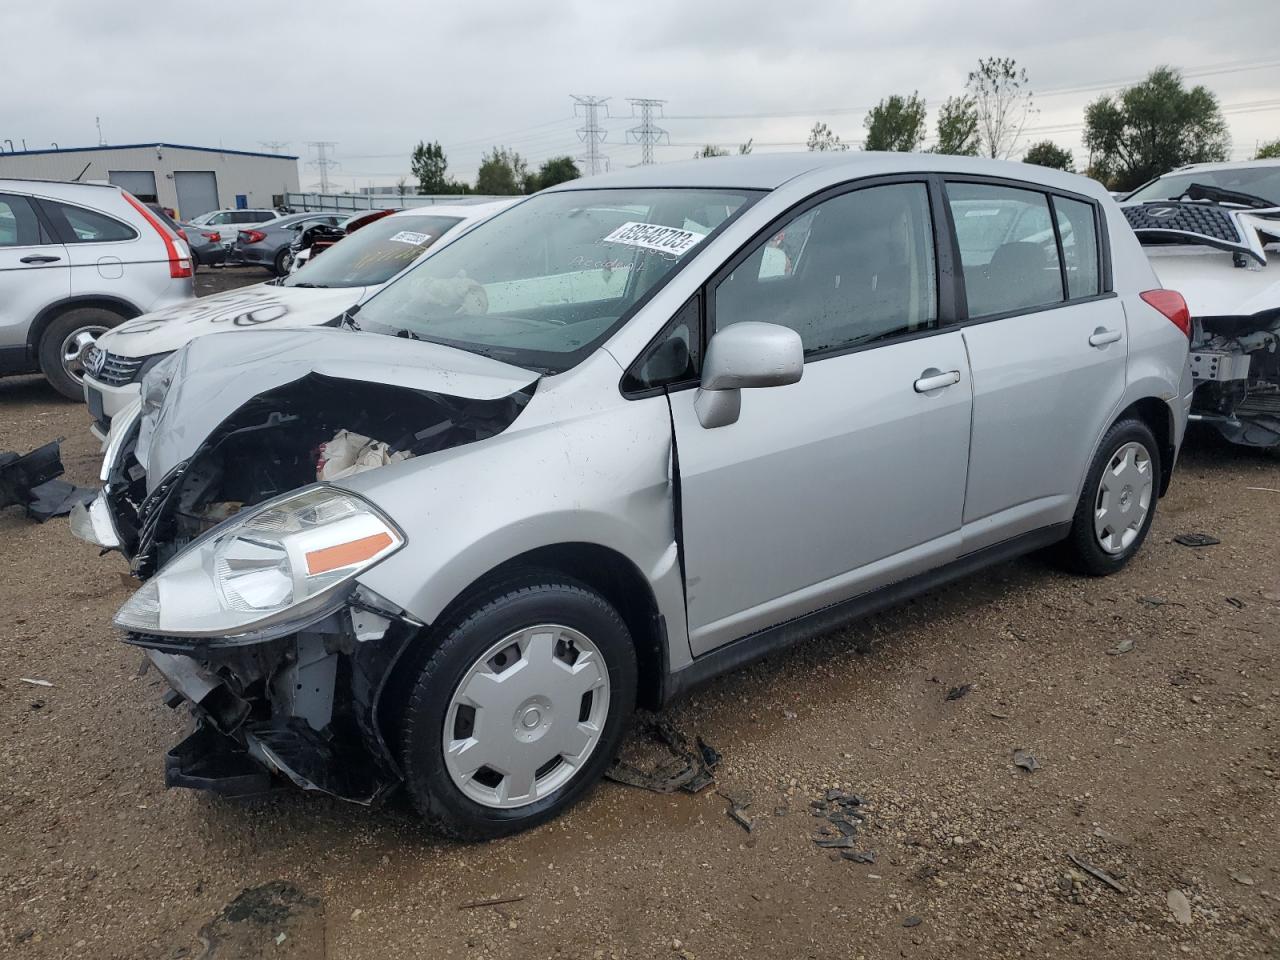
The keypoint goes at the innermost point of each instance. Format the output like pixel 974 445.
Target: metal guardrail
pixel 352 202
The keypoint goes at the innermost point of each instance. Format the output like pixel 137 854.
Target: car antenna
pixel 82 172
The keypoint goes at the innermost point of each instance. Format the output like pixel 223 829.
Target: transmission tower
pixel 275 146
pixel 323 162
pixel 591 133
pixel 646 133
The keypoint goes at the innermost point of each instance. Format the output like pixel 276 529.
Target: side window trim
pixel 699 301
pixel 63 231
pixel 45 236
pixel 944 298
pixel 1057 240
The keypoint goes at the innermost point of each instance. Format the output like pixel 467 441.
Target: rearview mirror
pixel 743 356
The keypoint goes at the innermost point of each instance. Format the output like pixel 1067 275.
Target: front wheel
pixel 1118 502
pixel 283 263
pixel 519 709
pixel 65 345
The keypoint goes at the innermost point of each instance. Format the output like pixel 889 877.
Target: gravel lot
pixel 1159 765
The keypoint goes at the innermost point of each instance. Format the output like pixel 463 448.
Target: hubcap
pixel 76 347
pixel 526 716
pixel 1124 498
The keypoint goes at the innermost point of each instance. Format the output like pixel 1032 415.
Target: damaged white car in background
pixel 1212 232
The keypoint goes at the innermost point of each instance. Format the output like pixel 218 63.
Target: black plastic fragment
pixel 691 768
pixel 1196 540
pixel 207 760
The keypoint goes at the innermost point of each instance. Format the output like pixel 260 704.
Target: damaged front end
pixel 220 489
pixel 1216 256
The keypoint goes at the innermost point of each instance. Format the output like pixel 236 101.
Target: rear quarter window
pixel 82 225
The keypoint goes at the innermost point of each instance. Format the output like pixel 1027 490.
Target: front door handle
pixel 932 380
pixel 1102 336
pixel 39 258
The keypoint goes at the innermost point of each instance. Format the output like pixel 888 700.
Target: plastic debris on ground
pixel 1026 760
pixel 30 480
pixel 677 766
pixel 350 453
pixel 1196 540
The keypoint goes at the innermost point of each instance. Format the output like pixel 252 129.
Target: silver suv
pixel 630 433
pixel 75 260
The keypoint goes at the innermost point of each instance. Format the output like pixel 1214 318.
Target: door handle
pixel 936 381
pixel 39 258
pixel 1102 336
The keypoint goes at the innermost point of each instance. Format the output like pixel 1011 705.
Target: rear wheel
pixel 1118 502
pixel 65 345
pixel 519 709
pixel 283 261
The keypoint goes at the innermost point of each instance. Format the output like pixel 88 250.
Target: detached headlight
pixel 265 569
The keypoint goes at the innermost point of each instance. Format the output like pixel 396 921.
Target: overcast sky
pixel 377 76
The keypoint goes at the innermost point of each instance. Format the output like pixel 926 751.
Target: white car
pixel 341 278
pixel 76 259
pixel 1212 232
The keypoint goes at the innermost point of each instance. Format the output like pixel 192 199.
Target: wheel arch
pixel 124 308
pixel 1155 413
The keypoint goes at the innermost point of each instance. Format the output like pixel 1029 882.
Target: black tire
pixel 488 617
pixel 1081 551
pixel 51 341
pixel 280 266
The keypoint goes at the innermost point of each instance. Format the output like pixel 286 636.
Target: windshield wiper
pixel 311 286
pixel 1203 191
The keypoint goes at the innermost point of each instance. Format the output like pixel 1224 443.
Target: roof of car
pixel 768 171
pixel 467 211
pixel 1228 165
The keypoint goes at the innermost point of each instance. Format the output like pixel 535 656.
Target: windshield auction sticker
pixel 409 236
pixel 654 236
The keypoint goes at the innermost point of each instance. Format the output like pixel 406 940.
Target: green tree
pixel 710 150
pixel 822 137
pixel 503 173
pixel 553 171
pixel 430 166
pixel 1046 153
pixel 1268 151
pixel 1002 97
pixel 402 186
pixel 895 123
pixel 1153 127
pixel 958 127
pixel 745 148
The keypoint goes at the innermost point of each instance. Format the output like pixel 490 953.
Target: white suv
pixel 75 260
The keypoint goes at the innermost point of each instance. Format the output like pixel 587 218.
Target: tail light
pixel 252 236
pixel 179 256
pixel 213 237
pixel 1171 304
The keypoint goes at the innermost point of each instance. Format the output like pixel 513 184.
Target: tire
pixel 1098 553
pixel 475 808
pixel 83 326
pixel 282 262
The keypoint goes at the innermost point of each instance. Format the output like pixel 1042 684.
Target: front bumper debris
pixel 303 709
pixel 92 524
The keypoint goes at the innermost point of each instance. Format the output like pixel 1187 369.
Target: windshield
pixel 1260 181
pixel 373 254
pixel 541 285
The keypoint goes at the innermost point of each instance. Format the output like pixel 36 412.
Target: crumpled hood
pixel 1211 284
pixel 262 305
pixel 213 376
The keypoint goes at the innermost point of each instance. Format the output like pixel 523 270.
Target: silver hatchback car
pixel 631 433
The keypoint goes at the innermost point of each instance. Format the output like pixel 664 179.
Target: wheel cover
pixel 526 716
pixel 1124 497
pixel 75 347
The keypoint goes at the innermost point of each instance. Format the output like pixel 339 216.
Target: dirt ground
pixel 1151 701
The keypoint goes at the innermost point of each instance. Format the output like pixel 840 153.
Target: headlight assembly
pixel 264 569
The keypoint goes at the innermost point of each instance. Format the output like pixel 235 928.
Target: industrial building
pixel 190 180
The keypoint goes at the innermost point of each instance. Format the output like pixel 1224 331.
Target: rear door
pixel 108 255
pixel 1047 345
pixel 33 274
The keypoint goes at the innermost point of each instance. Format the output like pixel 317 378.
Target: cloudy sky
pixel 378 76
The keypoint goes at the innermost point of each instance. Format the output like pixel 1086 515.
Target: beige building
pixel 190 180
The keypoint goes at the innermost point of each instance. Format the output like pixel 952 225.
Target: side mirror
pixel 742 356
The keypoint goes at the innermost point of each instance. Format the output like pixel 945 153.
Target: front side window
pixel 78 225
pixel 1078 229
pixel 854 269
pixel 375 253
pixel 1008 248
pixel 18 224
pixel 547 280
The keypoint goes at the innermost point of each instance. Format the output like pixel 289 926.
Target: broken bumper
pixel 92 523
pixel 303 709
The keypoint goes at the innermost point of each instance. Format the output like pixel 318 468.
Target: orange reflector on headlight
pixel 345 554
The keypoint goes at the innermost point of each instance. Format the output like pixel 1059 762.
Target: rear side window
pixel 18 224
pixel 1078 228
pixel 78 225
pixel 1008 248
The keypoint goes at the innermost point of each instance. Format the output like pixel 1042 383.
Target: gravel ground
pixel 1151 701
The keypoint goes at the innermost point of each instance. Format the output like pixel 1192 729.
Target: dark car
pixel 267 244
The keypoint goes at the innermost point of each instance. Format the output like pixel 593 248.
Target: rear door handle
pixel 39 258
pixel 1102 336
pixel 936 381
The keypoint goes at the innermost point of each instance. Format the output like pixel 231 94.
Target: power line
pixel 275 146
pixel 591 133
pixel 646 133
pixel 323 162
